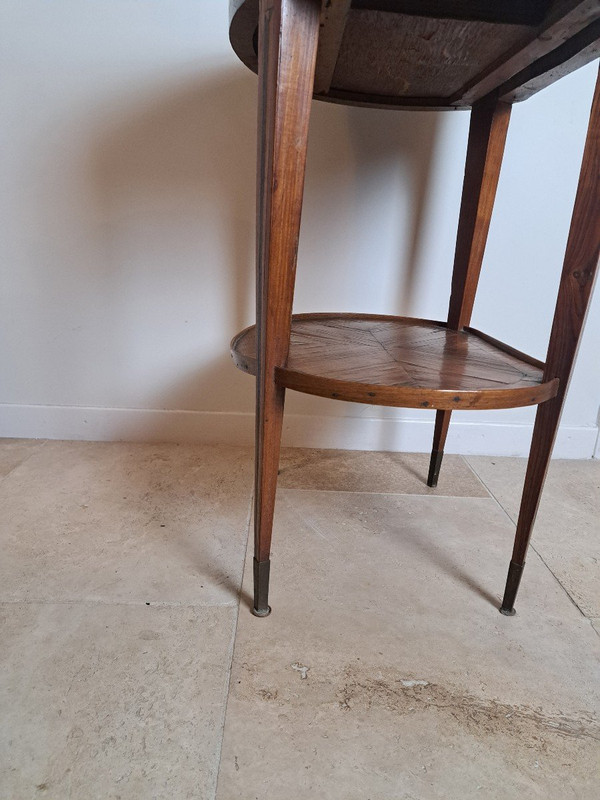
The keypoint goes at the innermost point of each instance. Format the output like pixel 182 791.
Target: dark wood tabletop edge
pixel 505 12
pixel 392 102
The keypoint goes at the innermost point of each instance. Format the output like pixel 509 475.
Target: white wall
pixel 127 214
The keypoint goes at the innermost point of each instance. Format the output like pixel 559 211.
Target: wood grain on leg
pixel 288 36
pixel 577 279
pixel 485 149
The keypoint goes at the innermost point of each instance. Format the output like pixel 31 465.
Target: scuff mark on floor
pixel 406 696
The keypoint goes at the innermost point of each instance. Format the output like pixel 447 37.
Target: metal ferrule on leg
pixel 434 468
pixel 576 283
pixel 512 586
pixel 261 607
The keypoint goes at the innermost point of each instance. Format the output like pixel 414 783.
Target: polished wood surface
pixel 399 361
pixel 288 38
pixel 577 279
pixel 485 150
pixel 438 53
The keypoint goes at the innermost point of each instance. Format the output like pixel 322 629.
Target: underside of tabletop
pixel 438 53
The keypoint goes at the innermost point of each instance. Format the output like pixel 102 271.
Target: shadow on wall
pixel 174 183
pixel 367 186
pixel 173 178
pixel 408 138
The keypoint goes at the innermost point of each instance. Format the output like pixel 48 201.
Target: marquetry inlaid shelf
pixel 399 361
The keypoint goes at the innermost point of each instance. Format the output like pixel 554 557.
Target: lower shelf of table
pixel 400 361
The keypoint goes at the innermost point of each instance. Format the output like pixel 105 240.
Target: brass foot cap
pixel 262 613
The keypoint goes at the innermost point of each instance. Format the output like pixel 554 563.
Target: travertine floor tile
pixel 386 671
pixel 14 451
pixel 358 471
pixel 567 529
pixel 104 702
pixel 123 522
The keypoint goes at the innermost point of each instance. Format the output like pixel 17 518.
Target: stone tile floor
pixel 132 669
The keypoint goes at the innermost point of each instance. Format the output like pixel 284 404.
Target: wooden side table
pixel 428 54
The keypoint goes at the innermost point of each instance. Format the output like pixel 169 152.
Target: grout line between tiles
pixel 545 563
pixel 231 651
pixel 34 450
pixel 514 522
pixel 77 602
pixel 387 494
pixel 488 490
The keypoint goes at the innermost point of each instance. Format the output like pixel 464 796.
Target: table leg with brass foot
pixel 485 150
pixel 287 46
pixel 579 270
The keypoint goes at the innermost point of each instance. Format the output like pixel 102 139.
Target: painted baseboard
pixel 347 433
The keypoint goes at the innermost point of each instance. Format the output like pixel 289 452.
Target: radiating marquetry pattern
pixel 399 361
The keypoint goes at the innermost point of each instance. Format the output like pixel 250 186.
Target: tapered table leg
pixel 485 149
pixel 579 270
pixel 442 423
pixel 287 45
